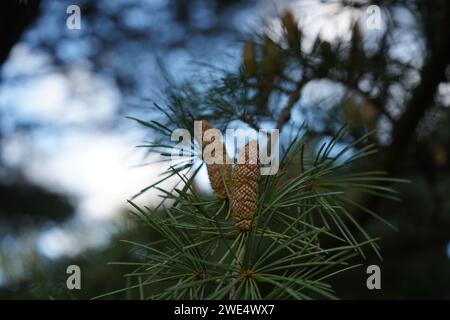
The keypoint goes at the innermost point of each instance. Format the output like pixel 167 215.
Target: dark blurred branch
pixel 432 74
pixel 15 17
pixel 287 110
pixel 25 202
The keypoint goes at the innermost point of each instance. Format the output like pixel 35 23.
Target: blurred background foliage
pixel 395 80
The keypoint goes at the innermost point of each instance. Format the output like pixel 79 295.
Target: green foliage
pixel 304 230
pixel 302 233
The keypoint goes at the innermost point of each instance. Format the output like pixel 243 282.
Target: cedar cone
pixel 245 187
pixel 214 170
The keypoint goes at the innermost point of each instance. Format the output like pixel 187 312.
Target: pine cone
pixel 214 170
pixel 249 59
pixel 293 33
pixel 245 187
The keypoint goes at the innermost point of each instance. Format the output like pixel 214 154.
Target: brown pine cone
pixel 217 179
pixel 249 59
pixel 293 34
pixel 245 187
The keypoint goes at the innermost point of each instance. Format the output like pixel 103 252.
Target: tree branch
pixel 15 17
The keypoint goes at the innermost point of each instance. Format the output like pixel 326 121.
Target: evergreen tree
pixel 259 236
